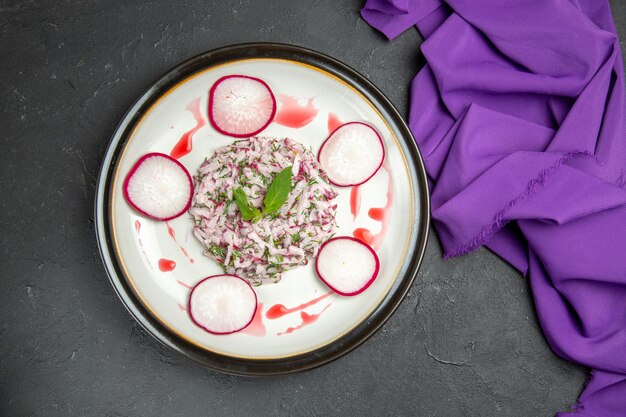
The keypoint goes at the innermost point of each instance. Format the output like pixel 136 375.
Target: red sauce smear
pixel 380 214
pixel 333 122
pixel 306 320
pixel 166 265
pixel 182 307
pixel 256 326
pixel 137 228
pixel 171 232
pixel 184 144
pixel 355 201
pixel 278 310
pixel 292 114
pixel 184 285
pixel 377 214
pixel 364 235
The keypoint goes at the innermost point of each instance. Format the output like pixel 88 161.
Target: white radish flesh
pixel 159 187
pixel 222 304
pixel 352 154
pixel 241 106
pixel 347 266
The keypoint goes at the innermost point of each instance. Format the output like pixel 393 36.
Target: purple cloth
pixel 519 115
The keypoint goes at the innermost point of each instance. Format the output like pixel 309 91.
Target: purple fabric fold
pixel 519 114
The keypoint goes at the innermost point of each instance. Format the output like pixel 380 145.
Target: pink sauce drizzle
pixel 333 122
pixel 278 310
pixel 364 234
pixel 184 285
pixel 137 228
pixel 292 114
pixel 381 214
pixel 355 200
pixel 306 320
pixel 171 232
pixel 166 265
pixel 377 213
pixel 256 327
pixel 184 144
pixel 182 307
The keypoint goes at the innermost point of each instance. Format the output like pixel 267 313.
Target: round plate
pixel 300 324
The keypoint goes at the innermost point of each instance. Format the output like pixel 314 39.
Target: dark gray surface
pixel 465 342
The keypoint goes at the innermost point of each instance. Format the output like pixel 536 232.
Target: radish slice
pixel 241 106
pixel 347 266
pixel 352 154
pixel 222 304
pixel 159 187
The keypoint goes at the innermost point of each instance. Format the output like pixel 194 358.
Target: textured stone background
pixel 465 342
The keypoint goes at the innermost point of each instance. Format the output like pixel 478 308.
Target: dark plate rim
pixel 362 331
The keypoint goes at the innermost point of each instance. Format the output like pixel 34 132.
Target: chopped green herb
pixel 243 181
pixel 265 180
pixel 221 196
pixel 216 251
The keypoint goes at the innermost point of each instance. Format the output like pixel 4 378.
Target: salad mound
pixel 262 247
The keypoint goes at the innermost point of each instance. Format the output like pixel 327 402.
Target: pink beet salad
pixel 262 247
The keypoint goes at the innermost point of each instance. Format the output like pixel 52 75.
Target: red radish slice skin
pixel 244 285
pixel 326 280
pixel 138 164
pixel 212 99
pixel 322 157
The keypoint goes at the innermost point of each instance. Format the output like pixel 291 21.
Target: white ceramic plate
pixel 144 251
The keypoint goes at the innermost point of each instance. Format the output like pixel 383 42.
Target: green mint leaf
pixel 247 212
pixel 277 192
